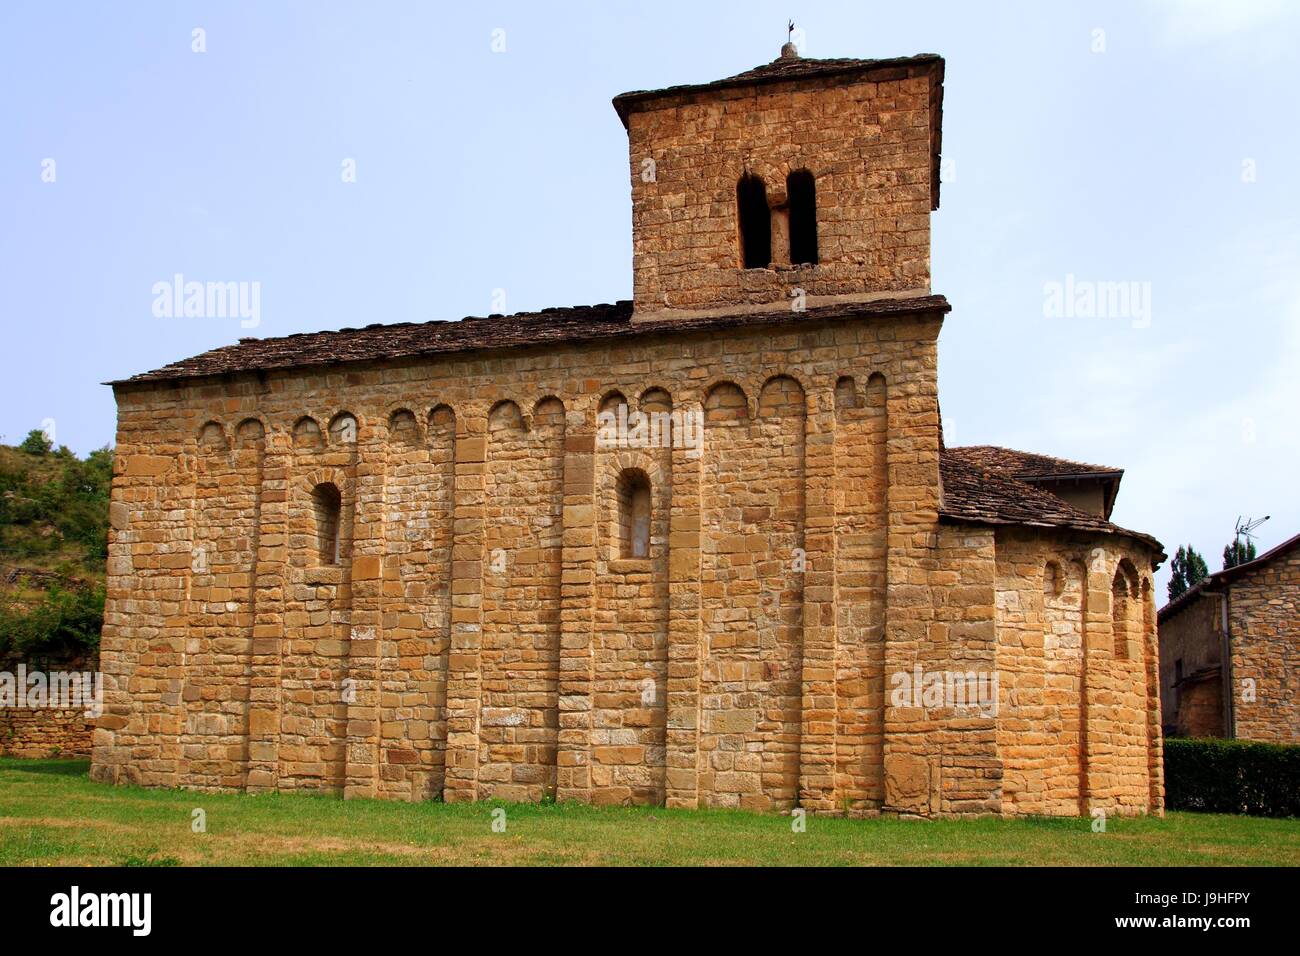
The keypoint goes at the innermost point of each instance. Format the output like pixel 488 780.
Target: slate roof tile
pixel 980 494
pixel 582 323
pixel 1027 464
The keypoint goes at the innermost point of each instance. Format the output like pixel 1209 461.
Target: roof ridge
pixel 408 324
pixel 1100 469
pixel 552 326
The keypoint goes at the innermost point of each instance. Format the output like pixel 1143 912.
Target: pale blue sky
pixel 479 170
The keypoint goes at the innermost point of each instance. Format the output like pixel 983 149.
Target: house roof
pixel 1045 469
pixel 1211 583
pixel 978 492
pixel 1027 464
pixel 473 333
pixel 797 69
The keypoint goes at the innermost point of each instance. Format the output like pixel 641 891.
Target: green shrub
pixel 63 625
pixel 37 443
pixel 54 508
pixel 1233 776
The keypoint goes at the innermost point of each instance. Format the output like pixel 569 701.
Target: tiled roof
pixel 548 327
pixel 781 69
pixel 1027 464
pixel 786 69
pixel 987 495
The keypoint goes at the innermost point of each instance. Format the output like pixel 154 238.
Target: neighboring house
pixel 1248 617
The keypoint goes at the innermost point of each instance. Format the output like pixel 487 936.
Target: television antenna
pixel 1246 527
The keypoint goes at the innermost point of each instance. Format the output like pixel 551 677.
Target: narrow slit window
pixel 755 222
pixel 1053 579
pixel 801 191
pixel 327 505
pixel 633 492
pixel 1120 610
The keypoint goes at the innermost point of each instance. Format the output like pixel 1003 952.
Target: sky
pixel 402 161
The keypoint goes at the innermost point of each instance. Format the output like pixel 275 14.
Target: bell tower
pixel 800 176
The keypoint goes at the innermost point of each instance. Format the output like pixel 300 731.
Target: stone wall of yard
pixel 44 733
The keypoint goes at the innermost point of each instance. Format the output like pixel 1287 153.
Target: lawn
pixel 51 814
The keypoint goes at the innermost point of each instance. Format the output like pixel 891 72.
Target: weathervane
pixel 789 49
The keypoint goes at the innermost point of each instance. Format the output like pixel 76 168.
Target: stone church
pixel 701 548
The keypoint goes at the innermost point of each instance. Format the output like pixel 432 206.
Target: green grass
pixel 51 814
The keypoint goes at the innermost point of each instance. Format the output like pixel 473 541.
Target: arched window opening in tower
pixel 801 191
pixel 755 222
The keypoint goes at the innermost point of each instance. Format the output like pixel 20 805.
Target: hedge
pixel 1232 776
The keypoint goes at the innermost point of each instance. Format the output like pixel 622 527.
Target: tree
pixel 1238 553
pixel 1188 568
pixel 37 443
pixel 62 625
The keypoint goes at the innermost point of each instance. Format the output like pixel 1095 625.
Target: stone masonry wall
pixel 44 733
pixel 39 731
pixel 753 590
pixel 519 659
pixel 214 704
pixel 476 631
pixel 1200 708
pixel 1194 636
pixel 320 626
pixel 1264 618
pixel 1079 717
pixel 630 624
pixel 867 144
pixel 416 626
pixel 861 526
pixel 940 757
